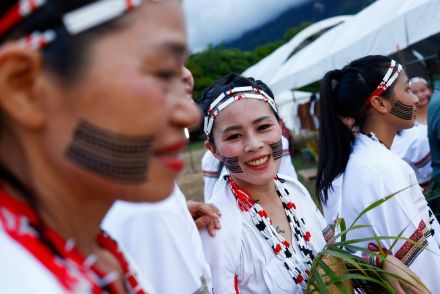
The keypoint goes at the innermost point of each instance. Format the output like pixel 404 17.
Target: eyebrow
pixel 255 121
pixel 175 48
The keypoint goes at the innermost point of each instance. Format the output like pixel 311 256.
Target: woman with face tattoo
pixel 371 95
pixel 162 237
pixel 86 119
pixel 271 229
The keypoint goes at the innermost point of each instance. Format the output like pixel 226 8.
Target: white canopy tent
pixel 266 68
pixel 287 103
pixel 384 27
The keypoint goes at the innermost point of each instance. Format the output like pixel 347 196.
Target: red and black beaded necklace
pixel 298 263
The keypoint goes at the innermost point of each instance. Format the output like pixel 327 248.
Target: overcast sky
pixel 214 21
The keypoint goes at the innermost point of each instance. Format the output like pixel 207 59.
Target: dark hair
pixel 343 93
pixel 66 55
pixel 224 84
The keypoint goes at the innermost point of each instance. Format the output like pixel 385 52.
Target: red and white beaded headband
pixel 75 22
pixel 240 93
pixel 387 80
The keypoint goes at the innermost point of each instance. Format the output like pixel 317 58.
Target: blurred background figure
pixel 412 144
pixel 420 87
pixel 434 143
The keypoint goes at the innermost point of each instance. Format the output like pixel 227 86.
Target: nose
pixel 253 143
pixel 415 98
pixel 184 112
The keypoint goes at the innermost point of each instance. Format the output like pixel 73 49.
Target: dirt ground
pixel 191 181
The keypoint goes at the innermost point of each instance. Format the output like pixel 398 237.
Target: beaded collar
pixel 373 137
pixel 75 272
pixel 298 263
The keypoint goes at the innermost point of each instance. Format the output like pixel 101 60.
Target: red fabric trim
pixel 237 291
pixel 410 250
pixel 423 161
pixel 10 18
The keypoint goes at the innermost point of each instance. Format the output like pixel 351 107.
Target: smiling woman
pixel 271 229
pixel 89 116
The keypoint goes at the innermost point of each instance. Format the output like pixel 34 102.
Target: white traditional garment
pixel 21 273
pixel 332 207
pixel 241 259
pixel 412 146
pixel 374 172
pixel 164 241
pixel 211 172
pixel 36 259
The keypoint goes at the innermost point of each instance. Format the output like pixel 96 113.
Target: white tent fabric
pixel 266 68
pixel 384 27
pixel 287 103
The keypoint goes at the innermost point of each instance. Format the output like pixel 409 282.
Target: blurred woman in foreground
pixel 86 119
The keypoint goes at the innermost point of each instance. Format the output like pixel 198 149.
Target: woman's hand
pixel 394 266
pixel 205 215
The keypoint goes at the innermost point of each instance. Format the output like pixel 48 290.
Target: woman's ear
pixel 380 104
pixel 20 69
pixel 211 148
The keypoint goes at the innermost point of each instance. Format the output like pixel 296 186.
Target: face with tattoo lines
pixel 118 130
pixel 246 136
pixel 403 110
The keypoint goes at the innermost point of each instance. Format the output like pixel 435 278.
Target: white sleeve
pixel 223 251
pixel 286 165
pixel 210 166
pixel 390 218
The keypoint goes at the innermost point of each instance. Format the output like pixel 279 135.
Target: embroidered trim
pixel 211 174
pixel 329 234
pixel 298 268
pixel 410 250
pixel 424 161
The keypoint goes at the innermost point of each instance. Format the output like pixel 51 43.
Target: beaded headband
pixel 387 80
pixel 221 103
pixel 75 21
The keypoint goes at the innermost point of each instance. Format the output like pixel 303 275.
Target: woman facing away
pixel 372 95
pixel 87 118
pixel 271 229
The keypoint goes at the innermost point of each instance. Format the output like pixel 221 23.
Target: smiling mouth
pixel 258 162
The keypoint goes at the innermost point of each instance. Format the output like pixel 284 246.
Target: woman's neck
pixel 422 114
pixel 60 204
pixel 259 193
pixel 382 132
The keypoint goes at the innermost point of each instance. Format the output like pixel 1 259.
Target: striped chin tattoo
pixel 277 149
pixel 402 111
pixel 118 157
pixel 231 163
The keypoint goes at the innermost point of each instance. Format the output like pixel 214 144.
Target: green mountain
pixel 311 11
